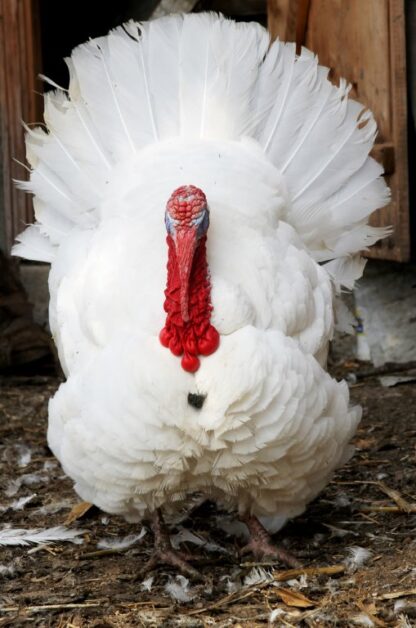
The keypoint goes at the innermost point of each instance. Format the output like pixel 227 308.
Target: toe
pixel 172 559
pixel 176 560
pixel 263 550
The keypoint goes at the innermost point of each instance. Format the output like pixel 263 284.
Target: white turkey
pixel 195 359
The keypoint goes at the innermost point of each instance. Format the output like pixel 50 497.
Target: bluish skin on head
pixel 200 222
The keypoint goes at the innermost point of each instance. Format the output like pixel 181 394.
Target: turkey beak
pixel 185 244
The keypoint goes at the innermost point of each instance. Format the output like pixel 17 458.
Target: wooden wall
pixel 19 66
pixel 363 41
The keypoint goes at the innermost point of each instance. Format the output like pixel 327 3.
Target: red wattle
pixel 195 336
pixel 175 346
pixel 190 363
pixel 164 337
pixel 209 342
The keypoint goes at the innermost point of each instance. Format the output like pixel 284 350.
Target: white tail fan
pixel 204 77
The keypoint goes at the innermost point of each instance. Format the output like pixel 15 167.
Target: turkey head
pixel 188 331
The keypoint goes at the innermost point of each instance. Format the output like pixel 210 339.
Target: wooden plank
pixel 5 126
pixel 384 154
pixel 398 246
pixel 19 59
pixel 400 181
pixel 4 226
pixel 302 23
pixel 288 20
pixel 282 18
pixel 338 32
pixel 365 43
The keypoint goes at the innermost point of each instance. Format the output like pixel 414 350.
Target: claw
pixel 267 550
pixel 173 559
pixel 261 545
pixel 165 554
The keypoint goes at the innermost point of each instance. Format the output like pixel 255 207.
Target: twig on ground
pixel 385 509
pixel 47 607
pixel 395 594
pixel 386 369
pixel 370 611
pixel 230 598
pixel 103 552
pixel 289 574
pixel 402 504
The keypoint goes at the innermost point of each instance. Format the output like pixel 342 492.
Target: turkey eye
pixel 169 223
pixel 204 224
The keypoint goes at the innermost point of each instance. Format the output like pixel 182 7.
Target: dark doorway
pixel 65 25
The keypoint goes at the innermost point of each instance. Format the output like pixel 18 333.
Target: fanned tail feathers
pixel 203 77
pixel 31 244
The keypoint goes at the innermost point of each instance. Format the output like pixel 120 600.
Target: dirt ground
pixel 370 504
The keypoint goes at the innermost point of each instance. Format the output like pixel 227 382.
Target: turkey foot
pixel 165 554
pixel 261 544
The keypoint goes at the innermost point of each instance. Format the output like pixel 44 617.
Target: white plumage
pixel 282 156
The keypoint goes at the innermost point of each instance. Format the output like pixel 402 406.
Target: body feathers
pixel 282 156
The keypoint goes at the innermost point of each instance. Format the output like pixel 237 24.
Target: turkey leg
pixel 261 544
pixel 164 553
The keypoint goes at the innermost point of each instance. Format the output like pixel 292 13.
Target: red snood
pixel 195 336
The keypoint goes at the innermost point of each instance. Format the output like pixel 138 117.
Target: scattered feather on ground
pixel 146 585
pixel 186 536
pixel 118 543
pixel 19 504
pixel 178 589
pixel 257 575
pixel 29 479
pixel 357 556
pixel 7 571
pixel 24 455
pixel 17 536
pixel 362 619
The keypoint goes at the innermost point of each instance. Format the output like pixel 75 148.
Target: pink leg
pixel 261 545
pixel 164 553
